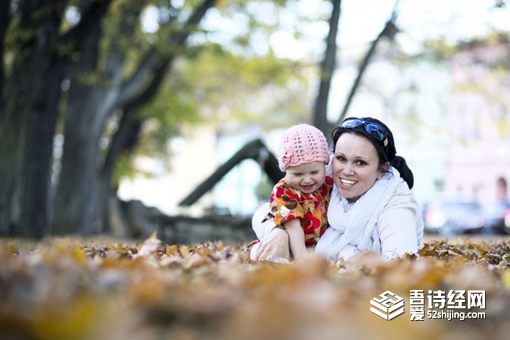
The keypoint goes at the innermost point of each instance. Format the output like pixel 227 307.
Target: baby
pixel 299 201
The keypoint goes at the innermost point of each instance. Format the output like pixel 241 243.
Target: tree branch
pixel 256 150
pixel 154 58
pixel 388 30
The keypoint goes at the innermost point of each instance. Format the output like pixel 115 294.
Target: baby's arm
pixel 296 238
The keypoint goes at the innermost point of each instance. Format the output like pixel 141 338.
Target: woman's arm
pixel 400 224
pixel 260 223
pixel 275 244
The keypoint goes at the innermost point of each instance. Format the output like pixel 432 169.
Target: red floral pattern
pixel 287 203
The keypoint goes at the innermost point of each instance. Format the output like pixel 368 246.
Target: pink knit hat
pixel 302 144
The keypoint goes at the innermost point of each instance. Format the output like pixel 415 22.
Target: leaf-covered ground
pixel 106 289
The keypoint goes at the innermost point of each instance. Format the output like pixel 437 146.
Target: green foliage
pixel 243 88
pixel 212 84
pixel 213 87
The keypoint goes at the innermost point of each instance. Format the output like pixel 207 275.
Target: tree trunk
pixel 123 141
pixel 29 120
pixel 29 111
pixel 84 188
pixel 36 177
pixel 327 68
pixel 75 207
pixel 5 19
pixel 7 136
pixel 12 133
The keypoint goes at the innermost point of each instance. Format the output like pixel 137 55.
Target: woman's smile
pixel 347 182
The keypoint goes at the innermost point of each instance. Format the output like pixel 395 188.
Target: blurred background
pixel 125 117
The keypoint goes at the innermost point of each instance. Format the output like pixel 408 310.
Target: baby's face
pixel 306 177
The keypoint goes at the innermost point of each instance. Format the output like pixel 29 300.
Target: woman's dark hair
pixel 385 148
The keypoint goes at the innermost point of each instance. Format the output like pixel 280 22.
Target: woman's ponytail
pixel 400 164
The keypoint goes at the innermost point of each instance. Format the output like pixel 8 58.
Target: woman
pixel 372 207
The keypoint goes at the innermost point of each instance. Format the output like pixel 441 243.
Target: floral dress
pixel 287 203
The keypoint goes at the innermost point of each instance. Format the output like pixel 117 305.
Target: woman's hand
pixel 275 245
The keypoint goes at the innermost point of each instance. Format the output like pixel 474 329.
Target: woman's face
pixel 355 166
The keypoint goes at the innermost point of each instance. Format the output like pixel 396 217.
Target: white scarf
pixel 356 225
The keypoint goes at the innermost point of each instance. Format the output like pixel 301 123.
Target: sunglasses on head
pixel 373 129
